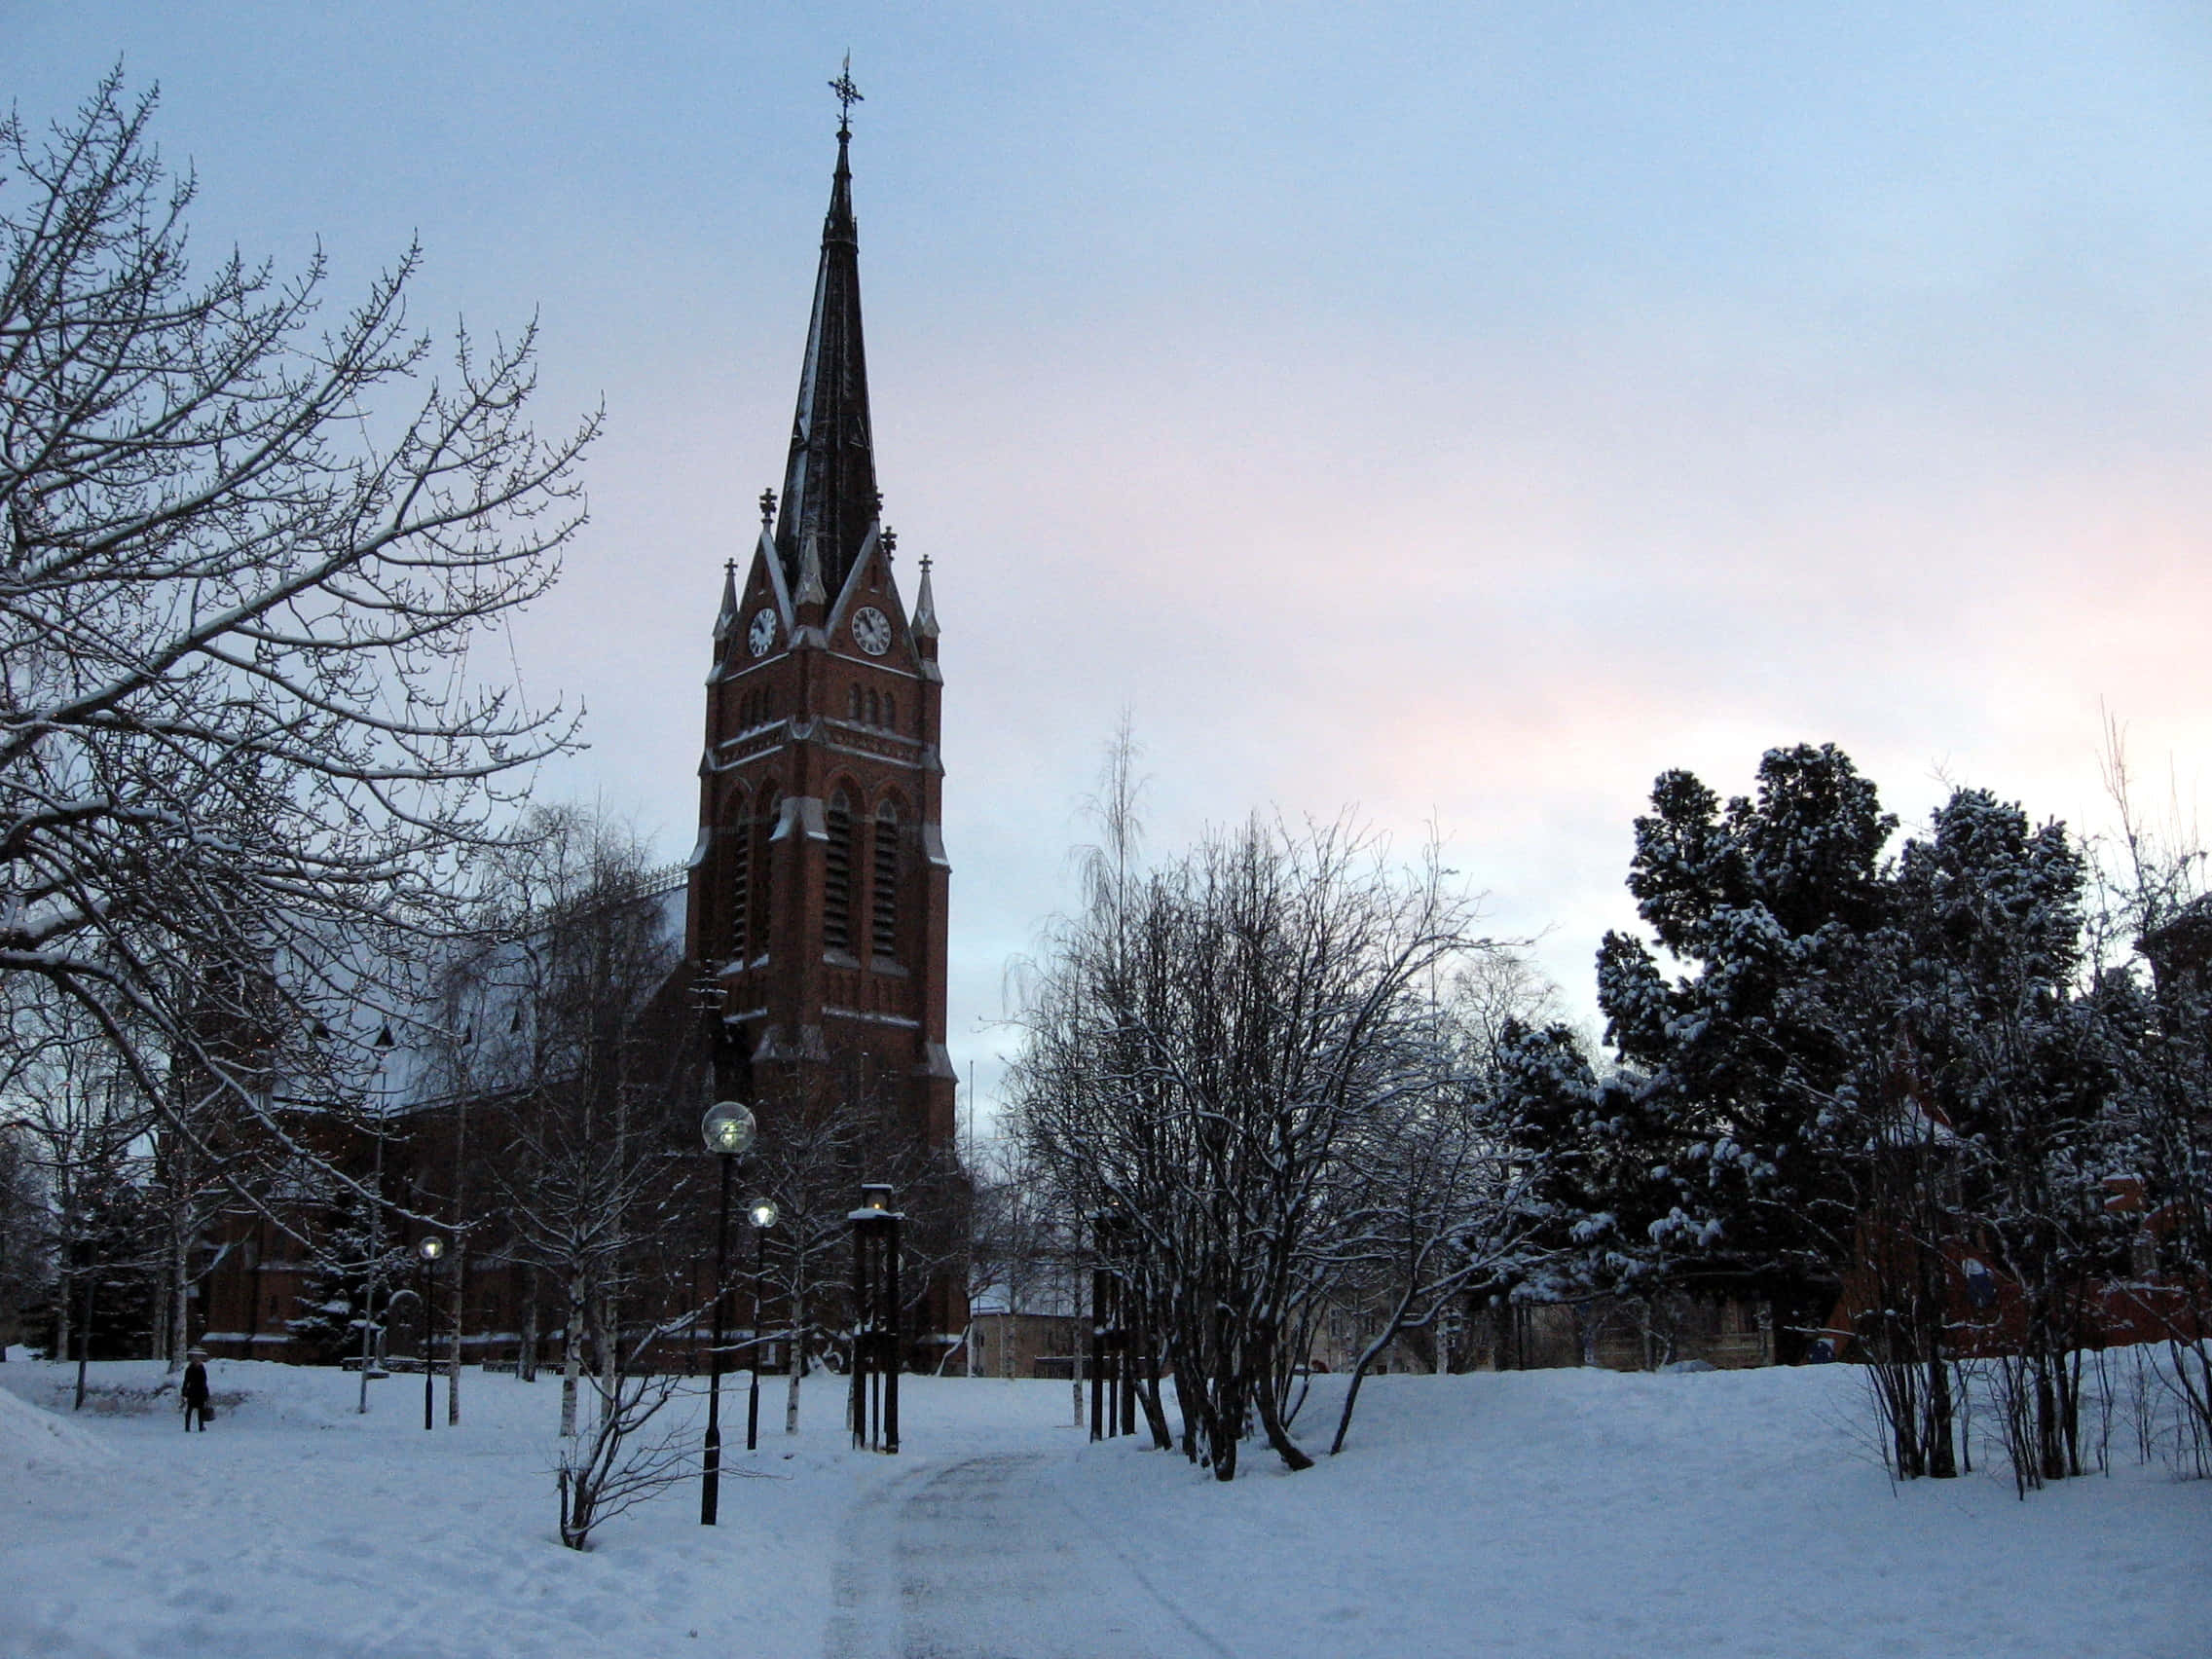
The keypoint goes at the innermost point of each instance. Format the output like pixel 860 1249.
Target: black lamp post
pixel 764 1214
pixel 728 1130
pixel 875 1319
pixel 430 1250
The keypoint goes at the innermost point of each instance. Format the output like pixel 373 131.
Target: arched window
pixel 883 885
pixel 853 701
pixel 738 845
pixel 837 877
pixel 874 710
pixel 890 710
pixel 763 870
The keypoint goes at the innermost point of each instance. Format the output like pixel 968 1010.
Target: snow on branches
pixel 241 739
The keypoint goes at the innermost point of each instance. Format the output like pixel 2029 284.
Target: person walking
pixel 196 1389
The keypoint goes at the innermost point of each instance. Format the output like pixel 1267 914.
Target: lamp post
pixel 764 1214
pixel 874 1407
pixel 430 1250
pixel 728 1130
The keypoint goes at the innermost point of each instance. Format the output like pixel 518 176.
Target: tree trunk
pixel 1941 1447
pixel 1155 1411
pixel 85 1342
pixel 795 1360
pixel 459 1310
pixel 571 1359
pixel 176 1337
pixel 526 1362
pixel 609 1340
pixel 1278 1432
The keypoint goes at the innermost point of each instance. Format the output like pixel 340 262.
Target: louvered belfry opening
pixel 837 877
pixel 740 843
pixel 883 887
pixel 761 835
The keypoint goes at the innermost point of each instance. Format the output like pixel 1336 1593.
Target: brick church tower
pixel 819 888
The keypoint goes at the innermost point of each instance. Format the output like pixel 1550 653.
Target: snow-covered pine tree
pixel 1754 1055
pixel 349 1282
pixel 1596 1154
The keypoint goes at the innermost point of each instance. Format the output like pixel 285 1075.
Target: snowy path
pixel 985 1558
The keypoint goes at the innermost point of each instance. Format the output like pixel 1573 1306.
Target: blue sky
pixel 1456 413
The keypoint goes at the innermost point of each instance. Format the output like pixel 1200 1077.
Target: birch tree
pixel 593 1093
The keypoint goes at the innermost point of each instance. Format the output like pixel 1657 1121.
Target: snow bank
pixel 1563 1514
pixel 38 1441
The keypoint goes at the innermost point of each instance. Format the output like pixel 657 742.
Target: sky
pixel 1454 415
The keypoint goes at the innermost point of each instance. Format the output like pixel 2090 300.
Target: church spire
pixel 829 484
pixel 726 618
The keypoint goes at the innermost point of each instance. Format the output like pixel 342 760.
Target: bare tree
pixel 590 1095
pixel 79 1133
pixel 1435 1201
pixel 241 731
pixel 2154 908
pixel 631 1451
pixel 1217 1049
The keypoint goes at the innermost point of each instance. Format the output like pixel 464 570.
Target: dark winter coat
pixel 195 1384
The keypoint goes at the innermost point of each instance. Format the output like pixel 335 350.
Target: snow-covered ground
pixel 1545 1515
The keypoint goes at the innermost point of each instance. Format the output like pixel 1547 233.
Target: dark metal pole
pixel 753 1392
pixel 85 1338
pixel 430 1343
pixel 710 1487
pixel 894 1358
pixel 864 1282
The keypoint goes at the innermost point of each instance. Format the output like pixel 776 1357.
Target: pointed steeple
pixel 829 484
pixel 726 618
pixel 810 591
pixel 925 606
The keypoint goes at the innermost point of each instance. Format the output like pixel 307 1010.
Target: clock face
pixel 762 634
pixel 871 630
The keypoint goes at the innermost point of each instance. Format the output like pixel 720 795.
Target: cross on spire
pixel 848 95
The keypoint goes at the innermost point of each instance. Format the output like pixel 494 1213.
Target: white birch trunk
pixel 571 1359
pixel 459 1306
pixel 796 1361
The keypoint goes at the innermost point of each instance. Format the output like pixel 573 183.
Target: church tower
pixel 819 885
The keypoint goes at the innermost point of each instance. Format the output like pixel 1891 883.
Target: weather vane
pixel 848 95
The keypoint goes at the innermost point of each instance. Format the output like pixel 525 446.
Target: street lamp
pixel 431 1249
pixel 728 1130
pixel 875 1319
pixel 763 1215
